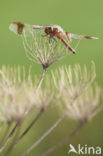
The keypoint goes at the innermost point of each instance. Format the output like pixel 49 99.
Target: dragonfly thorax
pixel 59 28
pixel 52 31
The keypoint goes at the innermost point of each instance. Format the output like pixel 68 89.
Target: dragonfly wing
pixel 19 28
pixel 25 29
pixel 13 28
pixel 38 27
pixel 75 36
pixel 41 26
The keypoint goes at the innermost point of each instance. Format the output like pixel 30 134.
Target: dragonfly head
pixel 48 30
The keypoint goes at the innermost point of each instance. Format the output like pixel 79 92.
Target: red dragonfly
pixel 54 31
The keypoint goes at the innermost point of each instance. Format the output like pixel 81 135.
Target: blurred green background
pixel 81 17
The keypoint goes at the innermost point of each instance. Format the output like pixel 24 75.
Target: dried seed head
pixel 80 100
pixel 85 107
pixel 73 81
pixel 42 98
pixel 14 102
pixel 39 47
pixel 18 95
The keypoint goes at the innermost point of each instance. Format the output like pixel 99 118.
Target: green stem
pixel 30 126
pixel 5 134
pixel 8 138
pixel 13 142
pixel 42 78
pixel 44 135
pixel 56 147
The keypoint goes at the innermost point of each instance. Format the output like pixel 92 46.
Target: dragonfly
pixel 54 31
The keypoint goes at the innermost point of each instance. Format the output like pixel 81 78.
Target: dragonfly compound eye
pixel 48 30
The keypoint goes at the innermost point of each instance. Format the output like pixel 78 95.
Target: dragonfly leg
pixel 66 44
pixel 55 42
pixel 51 39
pixel 68 37
pixel 44 35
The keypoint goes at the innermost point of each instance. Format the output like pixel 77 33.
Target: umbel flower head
pixel 80 100
pixel 38 46
pixel 18 95
pixel 86 106
pixel 73 80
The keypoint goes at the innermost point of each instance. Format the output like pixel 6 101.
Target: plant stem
pixel 57 146
pixel 13 142
pixel 5 134
pixel 42 78
pixel 29 127
pixel 44 135
pixel 8 138
pixel 1 126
